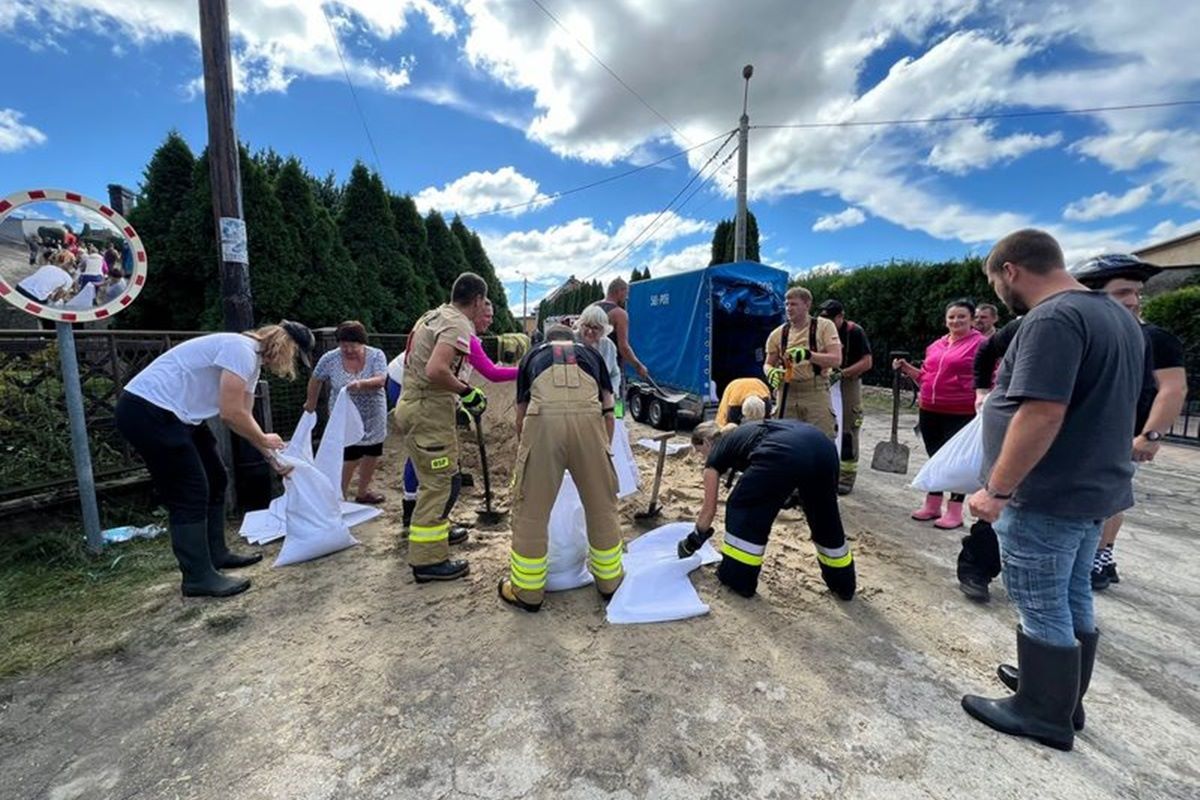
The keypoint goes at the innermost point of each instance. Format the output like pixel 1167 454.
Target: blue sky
pixel 474 105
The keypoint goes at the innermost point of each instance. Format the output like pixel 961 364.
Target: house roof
pixel 1178 240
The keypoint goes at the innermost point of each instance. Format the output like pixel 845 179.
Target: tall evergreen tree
pixel 329 282
pixel 327 192
pixel 725 236
pixel 368 231
pixel 414 242
pixel 174 275
pixel 276 272
pixel 481 265
pixel 448 259
pixel 720 235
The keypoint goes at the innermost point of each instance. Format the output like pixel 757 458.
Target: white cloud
pixel 1103 204
pixel 274 42
pixel 1168 229
pixel 480 192
pixel 582 248
pixel 848 218
pixel 16 135
pixel 972 147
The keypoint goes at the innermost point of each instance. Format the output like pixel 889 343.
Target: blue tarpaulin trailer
pixel 697 331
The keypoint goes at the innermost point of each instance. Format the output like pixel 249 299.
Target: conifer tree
pixel 448 259
pixel 479 263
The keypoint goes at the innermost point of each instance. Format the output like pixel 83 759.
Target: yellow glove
pixel 775 377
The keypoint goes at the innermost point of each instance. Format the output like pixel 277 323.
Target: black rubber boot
pixel 1045 699
pixel 842 581
pixel 218 549
pixel 445 571
pixel 408 507
pixel 978 561
pixel 200 578
pixel 459 534
pixel 1010 676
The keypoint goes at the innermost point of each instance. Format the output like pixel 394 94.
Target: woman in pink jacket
pixel 947 399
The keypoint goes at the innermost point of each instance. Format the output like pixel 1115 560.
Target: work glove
pixel 799 354
pixel 473 401
pixel 689 544
pixel 835 375
pixel 775 377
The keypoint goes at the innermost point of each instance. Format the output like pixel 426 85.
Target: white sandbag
pixel 567 548
pixel 958 465
pixel 344 428
pixel 313 514
pixel 656 586
pixel 673 448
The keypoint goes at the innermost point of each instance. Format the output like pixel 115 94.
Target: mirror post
pixel 80 453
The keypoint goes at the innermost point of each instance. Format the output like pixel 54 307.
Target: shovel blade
pixel 486 517
pixel 890 457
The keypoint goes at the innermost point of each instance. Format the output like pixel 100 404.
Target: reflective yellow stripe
pixel 849 466
pixel 425 534
pixel 606 573
pixel 842 561
pixel 738 555
pixel 531 574
pixel 606 558
pixel 532 564
pixel 528 585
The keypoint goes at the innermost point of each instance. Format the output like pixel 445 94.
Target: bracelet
pixel 992 493
pixel 608 410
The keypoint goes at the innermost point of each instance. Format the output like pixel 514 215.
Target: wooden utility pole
pixel 223 168
pixel 251 484
pixel 739 224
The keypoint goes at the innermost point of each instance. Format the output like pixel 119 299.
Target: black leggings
pixel 937 429
pixel 798 459
pixel 184 465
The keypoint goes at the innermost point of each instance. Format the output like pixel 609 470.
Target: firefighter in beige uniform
pixel 425 416
pixel 564 422
pixel 798 369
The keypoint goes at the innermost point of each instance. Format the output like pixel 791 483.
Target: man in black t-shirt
pixel 1164 389
pixel 564 424
pixel 856 361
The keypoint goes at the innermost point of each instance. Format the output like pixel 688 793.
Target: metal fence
pixel 35 452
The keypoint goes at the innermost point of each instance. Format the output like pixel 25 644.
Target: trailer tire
pixel 637 405
pixel 661 414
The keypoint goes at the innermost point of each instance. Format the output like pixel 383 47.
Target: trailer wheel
pixel 661 414
pixel 637 405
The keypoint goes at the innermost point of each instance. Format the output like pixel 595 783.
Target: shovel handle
pixel 896 396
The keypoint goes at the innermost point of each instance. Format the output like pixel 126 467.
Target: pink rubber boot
pixel 952 518
pixel 931 510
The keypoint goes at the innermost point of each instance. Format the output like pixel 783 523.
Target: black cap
pixel 304 339
pixel 830 309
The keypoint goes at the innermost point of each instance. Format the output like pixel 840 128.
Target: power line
pixel 626 248
pixel 979 117
pixel 611 72
pixel 593 184
pixel 337 45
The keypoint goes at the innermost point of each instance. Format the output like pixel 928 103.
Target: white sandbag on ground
pixel 656 586
pixel 567 548
pixel 956 467
pixel 673 448
pixel 835 402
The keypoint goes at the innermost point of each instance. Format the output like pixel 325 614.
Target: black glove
pixel 693 542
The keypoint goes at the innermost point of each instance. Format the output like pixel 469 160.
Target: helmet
pixel 1096 271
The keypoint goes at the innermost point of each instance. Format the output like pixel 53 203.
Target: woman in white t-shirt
pixel 162 414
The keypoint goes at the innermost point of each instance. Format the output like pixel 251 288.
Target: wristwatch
pixel 1152 436
pixel 992 493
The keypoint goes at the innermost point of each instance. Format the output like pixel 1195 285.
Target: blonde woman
pixel 162 414
pixel 776 458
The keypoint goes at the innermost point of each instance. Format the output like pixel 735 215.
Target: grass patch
pixel 58 603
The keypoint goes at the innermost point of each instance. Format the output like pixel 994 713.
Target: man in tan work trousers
pixel 564 422
pixel 798 368
pixel 425 416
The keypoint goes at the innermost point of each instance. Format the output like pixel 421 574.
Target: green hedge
pixel 902 304
pixel 1179 313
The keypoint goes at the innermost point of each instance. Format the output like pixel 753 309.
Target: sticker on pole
pixel 233 241
pixel 66 257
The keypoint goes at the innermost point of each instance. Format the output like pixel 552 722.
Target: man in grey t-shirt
pixel 1056 462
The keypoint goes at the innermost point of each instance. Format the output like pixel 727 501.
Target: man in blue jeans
pixel 1057 463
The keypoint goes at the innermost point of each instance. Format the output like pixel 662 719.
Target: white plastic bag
pixel 656 586
pixel 567 548
pixel 835 402
pixel 956 467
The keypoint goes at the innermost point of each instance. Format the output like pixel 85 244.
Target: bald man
pixel 614 306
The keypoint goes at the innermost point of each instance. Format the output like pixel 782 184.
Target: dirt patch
pixel 343 679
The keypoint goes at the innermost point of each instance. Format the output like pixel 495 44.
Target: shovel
pixel 892 456
pixel 487 515
pixel 654 510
